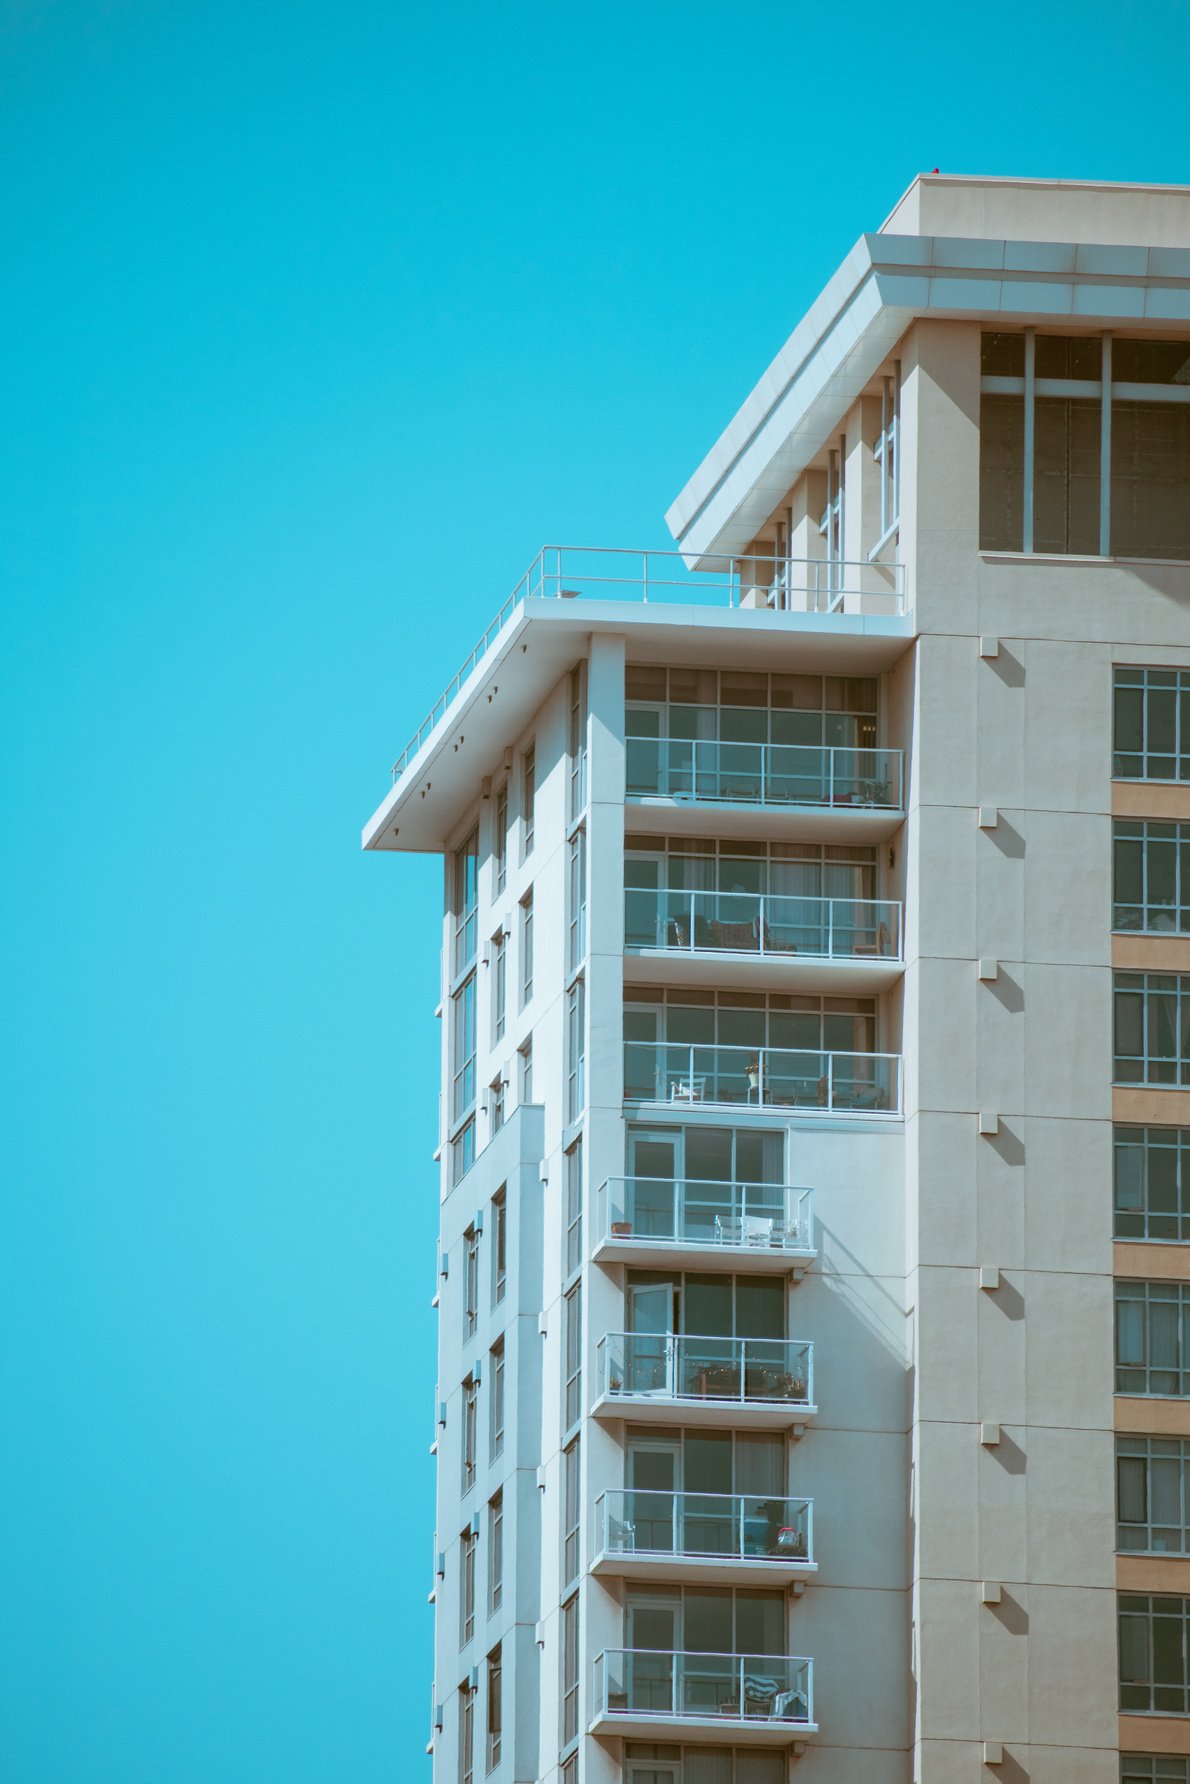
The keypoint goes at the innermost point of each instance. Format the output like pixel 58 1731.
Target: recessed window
pixel 1153 1339
pixel 528 800
pixel 496 1376
pixel 499 1245
pixel 470 1424
pixel 1057 412
pixel 1152 1028
pixel 468 1548
pixel 1154 1654
pixel 1152 725
pixel 1152 1503
pixel 1152 1183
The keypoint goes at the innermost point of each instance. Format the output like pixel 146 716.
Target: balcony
pixel 663 1072
pixel 761 1228
pixel 720 1698
pixel 793 790
pixel 735 938
pixel 732 1537
pixel 671 1378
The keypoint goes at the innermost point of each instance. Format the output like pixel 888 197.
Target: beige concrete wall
pixel 1027 733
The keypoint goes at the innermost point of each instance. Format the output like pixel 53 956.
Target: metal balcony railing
pixel 788 774
pixel 685 1686
pixel 753 923
pixel 727 1526
pixel 724 1216
pixel 677 1366
pixel 785 585
pixel 762 1077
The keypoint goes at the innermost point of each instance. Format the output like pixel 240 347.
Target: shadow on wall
pixel 875 1307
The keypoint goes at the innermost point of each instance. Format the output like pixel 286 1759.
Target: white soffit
pixel 886 283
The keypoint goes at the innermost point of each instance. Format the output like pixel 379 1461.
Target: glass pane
pixel 1066 476
pixel 1150 494
pixel 1001 472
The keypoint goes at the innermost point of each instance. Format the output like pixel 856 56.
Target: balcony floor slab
pixel 743 1260
pixel 754 1731
pixel 734 1570
pixel 790 823
pixel 655 1409
pixel 740 970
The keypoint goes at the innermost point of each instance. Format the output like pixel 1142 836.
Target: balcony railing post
pixel 741 1535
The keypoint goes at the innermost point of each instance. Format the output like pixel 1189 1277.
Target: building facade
pixel 814 1287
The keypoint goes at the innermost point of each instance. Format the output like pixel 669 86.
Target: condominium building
pixel 814 1281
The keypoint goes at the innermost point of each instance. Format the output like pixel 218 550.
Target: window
pixel 495 1708
pixel 1149 1768
pixel 462 1152
pixel 831 523
pixel 576 901
pixel 470 1282
pixel 496 1103
pixel 572 1166
pixel 1151 714
pixel 1152 1183
pixel 576 742
pixel 470 1406
pixel 576 1050
pixel 1151 863
pixel 495 1553
pixel 496 1431
pixel 526 947
pixel 468 1544
pixel 466 902
pixel 1152 1027
pixel 569 1670
pixel 1153 1654
pixel 1057 412
pixel 499 984
pixel 499 1245
pixel 500 840
pixel 887 453
pixel 466 1733
pixel 572 1308
pixel 1152 1510
pixel 528 799
pixel 463 1030
pixel 525 1070
pixel 568 1771
pixel 570 1511
pixel 1151 1338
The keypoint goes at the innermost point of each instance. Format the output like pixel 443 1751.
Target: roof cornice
pixel 886 283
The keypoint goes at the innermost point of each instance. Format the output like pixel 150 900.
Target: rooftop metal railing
pixel 783 585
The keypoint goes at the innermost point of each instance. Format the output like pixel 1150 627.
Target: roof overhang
pixel 540 642
pixel 885 284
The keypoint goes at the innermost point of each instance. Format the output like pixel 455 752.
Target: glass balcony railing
pixel 684 1686
pixel 727 1526
pixel 684 1211
pixel 774 926
pixel 675 1366
pixel 763 773
pixel 762 1077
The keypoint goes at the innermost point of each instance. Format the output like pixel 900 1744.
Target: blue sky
pixel 318 321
